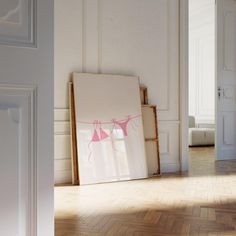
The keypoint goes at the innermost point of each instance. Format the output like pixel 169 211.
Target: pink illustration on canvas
pixel 99 134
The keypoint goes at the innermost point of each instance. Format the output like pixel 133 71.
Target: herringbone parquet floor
pixel 200 203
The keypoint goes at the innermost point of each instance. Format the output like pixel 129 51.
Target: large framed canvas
pixel 109 128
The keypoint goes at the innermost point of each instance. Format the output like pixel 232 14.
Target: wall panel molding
pixel 127 37
pixel 164 137
pixel 229 58
pixel 170 167
pixel 20 103
pixel 95 49
pixel 166 106
pixel 61 114
pixel 100 35
pixel 18 23
pixel 90 27
pixel 84 26
pixel 62 145
pixel 169 144
pixel 69 43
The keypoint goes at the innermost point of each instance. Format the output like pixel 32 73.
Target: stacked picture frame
pixel 150 124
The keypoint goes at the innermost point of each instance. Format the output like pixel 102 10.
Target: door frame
pixel 184 82
pixel 183 75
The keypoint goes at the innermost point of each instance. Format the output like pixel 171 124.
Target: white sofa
pixel 200 136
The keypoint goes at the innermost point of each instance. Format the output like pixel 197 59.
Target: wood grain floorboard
pixel 202 202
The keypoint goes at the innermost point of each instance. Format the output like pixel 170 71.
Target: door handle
pixel 219 92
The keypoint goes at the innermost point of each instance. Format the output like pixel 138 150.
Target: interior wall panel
pixel 62 147
pixel 130 43
pixel 128 37
pixel 68 34
pixel 90 51
pixel 69 57
pixel 169 146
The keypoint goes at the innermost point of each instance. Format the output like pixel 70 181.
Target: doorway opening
pixel 201 96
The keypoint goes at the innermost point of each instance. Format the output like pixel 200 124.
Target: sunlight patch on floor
pixel 159 194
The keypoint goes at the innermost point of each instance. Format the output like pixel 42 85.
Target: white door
pixel 26 117
pixel 226 79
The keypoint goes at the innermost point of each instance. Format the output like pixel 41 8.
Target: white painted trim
pixel 25 98
pixel 216 75
pixel 170 167
pixel 61 114
pixel 184 84
pixel 31 39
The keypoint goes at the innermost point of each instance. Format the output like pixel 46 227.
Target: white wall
pixel 128 37
pixel 202 60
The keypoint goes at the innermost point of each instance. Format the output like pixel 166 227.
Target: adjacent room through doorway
pixel 202 83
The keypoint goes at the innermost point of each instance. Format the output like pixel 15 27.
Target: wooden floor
pixel 200 203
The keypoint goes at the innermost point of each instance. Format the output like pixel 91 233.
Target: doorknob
pixel 219 92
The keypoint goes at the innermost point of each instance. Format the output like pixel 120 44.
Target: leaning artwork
pixel 109 128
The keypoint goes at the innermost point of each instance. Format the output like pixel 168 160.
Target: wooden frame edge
pixel 157 136
pixel 74 150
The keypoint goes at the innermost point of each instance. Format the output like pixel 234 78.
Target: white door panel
pixel 18 161
pixel 11 129
pixel 26 118
pixel 226 79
